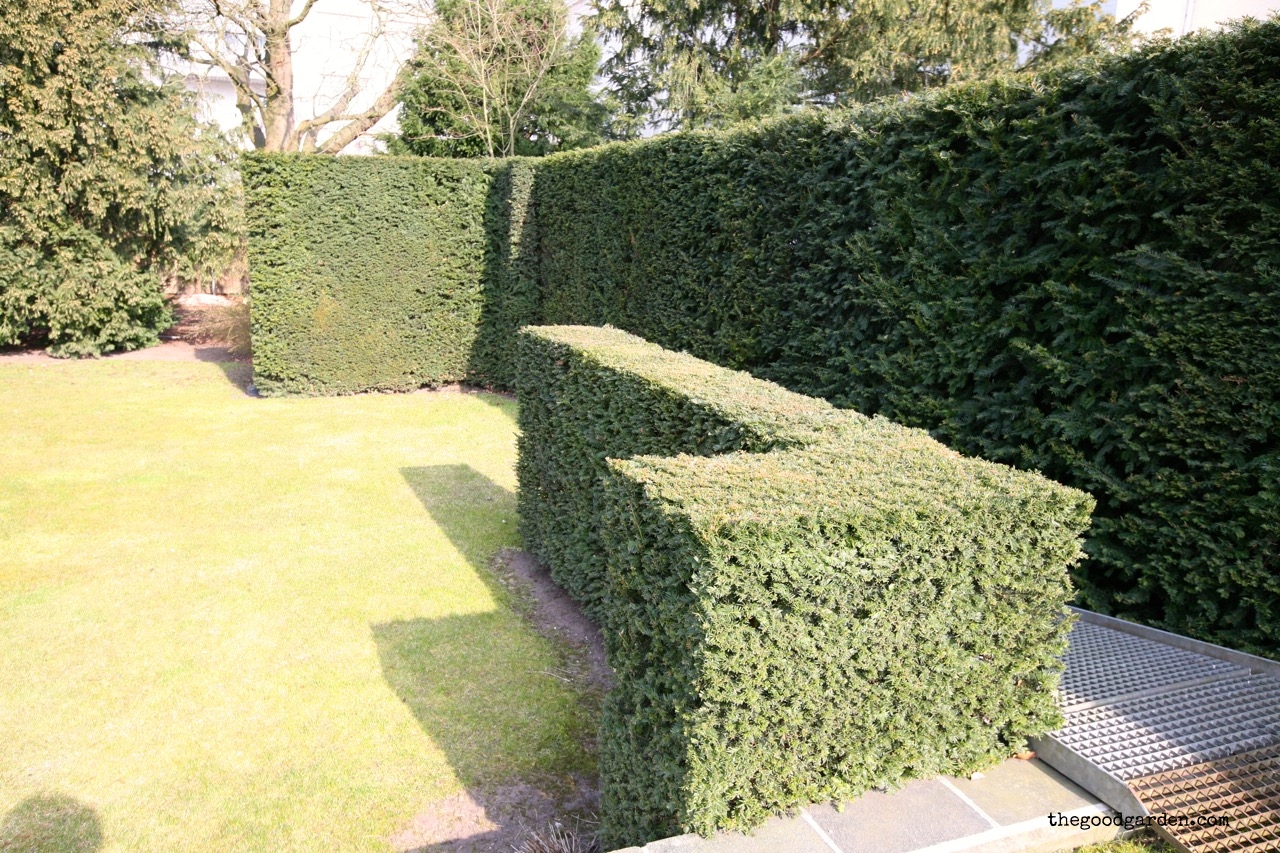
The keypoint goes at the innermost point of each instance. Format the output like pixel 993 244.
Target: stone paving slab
pixel 777 835
pixel 922 814
pixel 1004 810
pixel 1017 791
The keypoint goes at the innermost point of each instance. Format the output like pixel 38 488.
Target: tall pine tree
pixel 690 63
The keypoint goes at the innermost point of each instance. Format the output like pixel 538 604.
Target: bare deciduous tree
pixel 489 58
pixel 254 41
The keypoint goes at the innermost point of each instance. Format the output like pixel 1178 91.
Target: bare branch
pixel 386 103
pixel 215 59
pixel 223 12
pixel 301 16
pixel 351 89
pixel 249 41
pixel 493 57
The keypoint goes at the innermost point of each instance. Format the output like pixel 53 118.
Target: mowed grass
pixel 236 624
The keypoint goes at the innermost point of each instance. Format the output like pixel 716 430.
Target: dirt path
pixel 556 614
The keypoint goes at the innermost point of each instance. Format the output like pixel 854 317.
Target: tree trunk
pixel 278 131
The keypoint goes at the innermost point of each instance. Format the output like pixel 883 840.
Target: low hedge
pixel 799 602
pixel 385 274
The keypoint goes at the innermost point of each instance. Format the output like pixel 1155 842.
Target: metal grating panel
pixel 1105 666
pixel 1139 737
pixel 1190 734
pixel 1244 788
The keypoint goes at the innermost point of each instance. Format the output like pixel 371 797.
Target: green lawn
pixel 236 624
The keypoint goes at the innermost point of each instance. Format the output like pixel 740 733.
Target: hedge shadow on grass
pixel 461 500
pixel 433 665
pixel 238 373
pixel 465 679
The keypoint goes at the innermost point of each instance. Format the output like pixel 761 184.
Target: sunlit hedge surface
pixel 799 602
pixel 388 273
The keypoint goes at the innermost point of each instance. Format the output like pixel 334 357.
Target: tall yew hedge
pixel 1078 274
pixel 388 273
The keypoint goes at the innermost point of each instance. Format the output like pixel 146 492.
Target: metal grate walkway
pixel 1158 724
pixel 1244 788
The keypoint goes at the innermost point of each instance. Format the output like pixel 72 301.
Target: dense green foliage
pixel 1079 275
pixel 384 273
pixel 106 177
pixel 692 65
pixel 500 78
pixel 803 604
pixel 510 297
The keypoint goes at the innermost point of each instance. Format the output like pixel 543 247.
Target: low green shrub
pixel 78 300
pixel 799 602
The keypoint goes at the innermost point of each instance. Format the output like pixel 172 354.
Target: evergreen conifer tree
pixel 106 177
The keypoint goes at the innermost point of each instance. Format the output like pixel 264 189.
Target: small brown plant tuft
pixel 557 839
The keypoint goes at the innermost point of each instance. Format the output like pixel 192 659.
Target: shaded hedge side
pixel 800 602
pixel 509 297
pixel 387 273
pixel 1078 275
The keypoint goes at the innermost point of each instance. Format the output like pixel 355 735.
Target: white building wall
pixel 1180 17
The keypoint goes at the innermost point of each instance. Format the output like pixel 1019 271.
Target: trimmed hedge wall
pixel 800 602
pixel 386 273
pixel 1078 275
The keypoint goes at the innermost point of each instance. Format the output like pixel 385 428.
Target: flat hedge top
pixel 780 417
pixel 877 469
pixel 828 463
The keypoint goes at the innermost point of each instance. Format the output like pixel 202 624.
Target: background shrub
pixel 107 178
pixel 800 602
